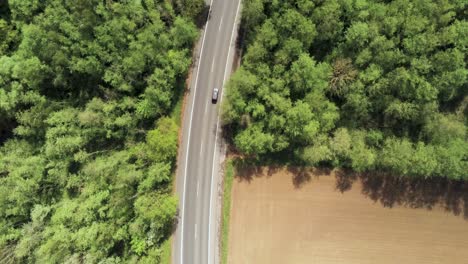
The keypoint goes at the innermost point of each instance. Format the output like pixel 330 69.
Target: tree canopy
pixel 361 84
pixel 87 147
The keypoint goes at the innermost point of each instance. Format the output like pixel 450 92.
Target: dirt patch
pixel 302 216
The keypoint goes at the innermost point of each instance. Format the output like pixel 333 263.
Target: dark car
pixel 214 96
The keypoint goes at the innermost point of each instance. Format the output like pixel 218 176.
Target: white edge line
pixel 217 127
pixel 188 143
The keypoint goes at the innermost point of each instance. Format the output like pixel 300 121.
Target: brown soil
pixel 297 216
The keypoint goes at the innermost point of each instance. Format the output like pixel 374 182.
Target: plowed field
pixel 289 216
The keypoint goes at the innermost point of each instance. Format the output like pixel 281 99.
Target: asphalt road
pixel 196 239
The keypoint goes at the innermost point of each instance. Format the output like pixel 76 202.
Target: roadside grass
pixel 177 112
pixel 166 252
pixel 228 179
pixel 176 115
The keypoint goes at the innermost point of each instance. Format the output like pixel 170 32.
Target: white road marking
pixel 212 63
pixel 216 132
pixel 188 143
pixel 198 187
pixel 206 109
pixel 201 150
pixel 196 231
pixel 220 24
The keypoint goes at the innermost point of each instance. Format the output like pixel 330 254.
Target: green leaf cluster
pixel 87 153
pixel 361 84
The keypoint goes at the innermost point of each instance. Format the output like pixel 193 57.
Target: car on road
pixel 214 96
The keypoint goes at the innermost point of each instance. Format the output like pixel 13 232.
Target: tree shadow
pixel 175 222
pixel 6 129
pixel 390 190
pixel 203 17
pixel 303 175
pixel 246 169
pixel 300 177
pixel 387 189
pixel 345 179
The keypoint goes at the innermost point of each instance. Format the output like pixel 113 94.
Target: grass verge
pixel 166 252
pixel 176 113
pixel 228 179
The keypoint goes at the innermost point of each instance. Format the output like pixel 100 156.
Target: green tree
pixel 84 177
pixel 358 84
pixel 162 141
pixel 254 141
pixel 362 157
pixel 396 156
pixel 306 75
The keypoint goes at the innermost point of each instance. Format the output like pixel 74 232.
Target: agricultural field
pixel 281 215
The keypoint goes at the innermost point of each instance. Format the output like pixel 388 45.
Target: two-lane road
pixel 196 239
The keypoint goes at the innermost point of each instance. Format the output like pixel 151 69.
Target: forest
pixel 366 85
pixel 90 94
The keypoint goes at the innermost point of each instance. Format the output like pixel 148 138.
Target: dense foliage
pixel 87 149
pixel 362 84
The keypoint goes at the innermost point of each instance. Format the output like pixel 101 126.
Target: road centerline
pixel 212 64
pixel 220 24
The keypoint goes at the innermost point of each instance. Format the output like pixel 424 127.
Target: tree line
pixel 361 84
pixel 87 144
